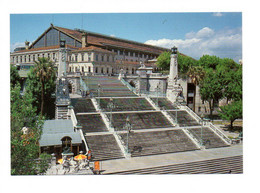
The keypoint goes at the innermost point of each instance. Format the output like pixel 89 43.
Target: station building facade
pixel 88 52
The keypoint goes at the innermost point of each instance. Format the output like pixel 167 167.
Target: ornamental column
pixel 174 89
pixel 62 68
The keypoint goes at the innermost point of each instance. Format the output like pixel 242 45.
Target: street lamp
pixel 110 106
pixel 99 87
pixel 174 50
pixel 201 132
pixel 157 89
pixel 127 127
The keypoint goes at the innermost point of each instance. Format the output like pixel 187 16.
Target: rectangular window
pixel 96 57
pixel 53 56
pixel 82 57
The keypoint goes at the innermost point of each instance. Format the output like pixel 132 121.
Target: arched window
pixel 82 57
pixel 66 143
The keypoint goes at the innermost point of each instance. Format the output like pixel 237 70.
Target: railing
pixel 122 145
pixel 196 141
pixel 73 116
pixel 128 85
pixel 220 133
pixel 213 127
pixel 153 93
pixel 192 113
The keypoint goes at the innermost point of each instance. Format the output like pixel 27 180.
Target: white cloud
pixel 217 14
pixel 15 45
pixel 112 35
pixel 224 43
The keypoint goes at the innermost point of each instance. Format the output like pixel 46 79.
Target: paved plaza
pixel 111 166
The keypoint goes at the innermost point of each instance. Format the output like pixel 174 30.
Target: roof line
pixel 115 38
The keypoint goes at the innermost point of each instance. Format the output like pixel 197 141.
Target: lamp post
pixel 157 89
pixel 99 87
pixel 110 106
pixel 127 127
pixel 201 132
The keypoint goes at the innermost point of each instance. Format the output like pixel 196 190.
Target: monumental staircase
pixel 157 125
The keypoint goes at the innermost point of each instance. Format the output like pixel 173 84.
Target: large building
pixel 88 52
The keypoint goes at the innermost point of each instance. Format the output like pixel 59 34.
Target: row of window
pixel 133 54
pixel 32 58
pixel 102 70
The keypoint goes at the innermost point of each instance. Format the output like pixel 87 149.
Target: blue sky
pixel 194 33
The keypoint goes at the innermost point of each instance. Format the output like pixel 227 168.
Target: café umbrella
pixel 80 157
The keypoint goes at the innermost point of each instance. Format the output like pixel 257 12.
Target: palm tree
pixel 44 69
pixel 196 74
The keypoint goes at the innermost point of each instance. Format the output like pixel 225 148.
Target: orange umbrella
pixel 60 161
pixel 80 157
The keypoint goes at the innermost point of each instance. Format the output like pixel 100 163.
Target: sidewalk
pixel 169 159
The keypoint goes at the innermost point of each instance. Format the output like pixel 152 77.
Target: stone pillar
pixel 27 45
pixel 173 67
pixel 84 40
pixel 174 89
pixel 62 68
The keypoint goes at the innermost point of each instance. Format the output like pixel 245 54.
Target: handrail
pixel 128 85
pixel 220 133
pixel 217 131
pixel 193 137
pixel 197 117
pixel 73 117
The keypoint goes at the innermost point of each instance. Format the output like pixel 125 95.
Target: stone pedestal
pixel 173 91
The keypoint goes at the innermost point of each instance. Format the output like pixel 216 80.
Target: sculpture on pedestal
pixel 174 89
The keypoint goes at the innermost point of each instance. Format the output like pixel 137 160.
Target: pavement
pixel 169 159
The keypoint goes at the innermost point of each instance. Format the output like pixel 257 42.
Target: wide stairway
pixel 104 147
pixel 163 103
pixel 227 165
pixel 91 123
pixel 158 142
pixel 126 104
pixel 109 86
pixel 153 123
pixel 208 137
pixel 140 120
pixel 184 119
pixel 82 105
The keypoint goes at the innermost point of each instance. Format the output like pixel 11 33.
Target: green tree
pixel 207 61
pixel 163 61
pixel 42 83
pixel 196 74
pixel 14 75
pixel 24 148
pixel 231 112
pixel 184 62
pixel 230 74
pixel 211 89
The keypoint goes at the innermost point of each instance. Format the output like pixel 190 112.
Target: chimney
pixel 27 45
pixel 84 40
